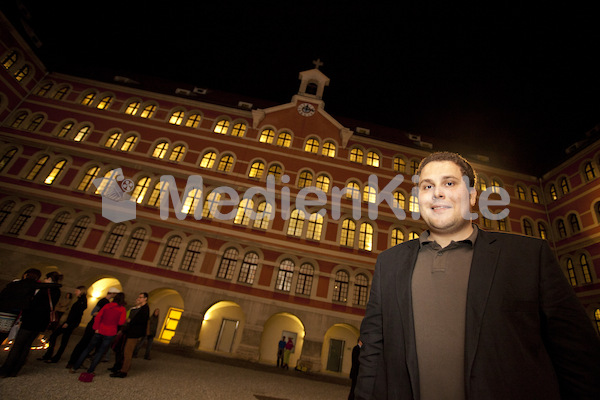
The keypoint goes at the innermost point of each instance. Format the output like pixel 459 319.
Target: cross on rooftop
pixel 318 63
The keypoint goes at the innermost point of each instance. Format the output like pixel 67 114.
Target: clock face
pixel 306 109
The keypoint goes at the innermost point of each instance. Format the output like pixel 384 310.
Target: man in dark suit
pixel 462 313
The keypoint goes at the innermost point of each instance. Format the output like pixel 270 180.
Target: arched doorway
pixel 222 327
pixel 336 355
pixel 96 291
pixel 170 305
pixel 277 326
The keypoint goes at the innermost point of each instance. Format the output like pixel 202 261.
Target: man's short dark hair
pixel 144 294
pixel 465 167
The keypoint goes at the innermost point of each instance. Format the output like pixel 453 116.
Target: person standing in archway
pixel 287 352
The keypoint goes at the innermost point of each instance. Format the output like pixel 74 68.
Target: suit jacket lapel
pixel 406 264
pixel 483 268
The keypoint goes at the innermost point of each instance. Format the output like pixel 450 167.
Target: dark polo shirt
pixel 439 296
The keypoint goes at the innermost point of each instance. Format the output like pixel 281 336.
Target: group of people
pixel 32 307
pixel 284 351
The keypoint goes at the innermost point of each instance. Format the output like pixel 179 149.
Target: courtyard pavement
pixel 173 373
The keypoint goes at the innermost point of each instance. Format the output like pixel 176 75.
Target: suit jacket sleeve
pixel 570 338
pixel 371 334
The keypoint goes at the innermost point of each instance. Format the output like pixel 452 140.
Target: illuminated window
pixel 267 136
pixel 296 223
pixel 82 134
pixel 43 90
pixel 305 279
pixel 7 157
pixel 414 166
pixel 170 252
pixel 211 204
pixel 553 192
pixel 61 93
pixel 399 165
pixel 285 275
pixel 88 99
pixel 22 73
pixel 369 194
pixel 148 111
pixel 35 170
pixel 191 255
pixel 520 192
pixel 221 127
pixel 365 237
pixel 109 176
pixel 340 286
pixel 248 268
pixel 527 228
pixel 597 318
pixel 129 143
pixel 242 217
pixel 413 204
pixel 225 163
pixel 496 185
pixel 276 170
pixel 160 150
pixel 193 121
pixel 10 60
pixel 77 231
pixel 315 227
pixel 562 230
pixel 21 220
pixel 104 103
pixel 57 227
pixel 256 170
pixel 543 231
pixel 238 130
pixel 35 123
pixel 413 235
pixel 397 237
pixel 305 179
pixel 503 225
pixel 88 178
pixel 312 146
pixel 135 243
pixel 170 324
pixel 535 197
pixel 564 186
pixel 373 159
pixel 590 171
pixel 19 120
pixel 328 149
pixel 352 190
pixel 284 139
pixel 177 153
pixel 356 155
pixel 481 184
pixel 585 269
pixel 158 193
pixel 65 130
pixel 347 233
pixel 114 239
pixel 399 200
pixel 323 183
pixel 574 222
pixel 571 272
pixel 6 210
pixel 264 212
pixel 228 264
pixel 361 289
pixel 191 201
pixel 139 192
pixel 113 140
pixel 133 108
pixel 176 118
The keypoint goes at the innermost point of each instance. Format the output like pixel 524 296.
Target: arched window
pixel 276 170
pixel 242 217
pixel 22 218
pixel 61 93
pixel 77 231
pixel 158 193
pixel 542 230
pixel 44 89
pixel 191 201
pixel 5 211
pixel 19 120
pixel 170 252
pixel 496 185
pixel 590 171
pixel 248 268
pixel 133 108
pixel 553 192
pixel 315 227
pixel 585 269
pixel 114 239
pixel 571 272
pixel 562 230
pixel 256 170
pixel 397 237
pixel 208 160
pixel 58 167
pixel 82 133
pixel 340 286
pixel 193 121
pixel 564 186
pixel 65 130
pixel 323 183
pixel 399 165
pixel 503 224
pixel 225 163
pixel 373 159
pixel 238 130
pixel 352 190
pixel 191 255
pixel 574 222
pixel 285 275
pixel 413 235
pixel 535 197
pixel 361 289
pixel 176 117
pixel 148 111
pixel 365 237
pixel 267 136
pixel 88 99
pixel 177 153
pixel 284 139
pixel 356 155
pixel 57 227
pixel 211 204
pixel 35 123
pixel 527 228
pixel 312 146
pixel 104 103
pixel 10 59
pixel 481 184
pixel 521 192
pixel 129 143
pixel 296 223
pixel 135 243
pixel 413 204
pixel 139 192
pixel 264 214
pixel 7 157
pixel 305 279
pixel 597 318
pixel 113 140
pixel 160 150
pixel 221 127
pixel 305 179
pixel 22 73
pixel 347 233
pixel 35 170
pixel 328 149
pixel 369 194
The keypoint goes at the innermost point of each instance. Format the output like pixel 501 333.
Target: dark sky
pixel 518 80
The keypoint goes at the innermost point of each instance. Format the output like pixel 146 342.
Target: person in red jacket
pixel 106 326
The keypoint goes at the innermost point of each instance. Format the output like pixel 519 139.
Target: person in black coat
pixel 34 319
pixel 67 328
pixel 15 297
pixel 354 369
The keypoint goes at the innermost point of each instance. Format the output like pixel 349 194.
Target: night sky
pixel 520 82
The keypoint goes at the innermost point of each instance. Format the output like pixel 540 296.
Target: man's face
pixel 444 198
pixel 140 300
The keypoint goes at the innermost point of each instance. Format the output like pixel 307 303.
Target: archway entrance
pixel 170 305
pixel 222 327
pixel 277 326
pixel 336 355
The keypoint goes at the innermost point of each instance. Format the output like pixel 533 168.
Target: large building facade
pixel 244 221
